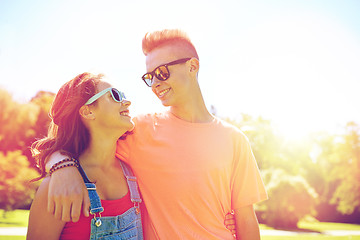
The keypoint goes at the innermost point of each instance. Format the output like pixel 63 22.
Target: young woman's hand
pixel 230 222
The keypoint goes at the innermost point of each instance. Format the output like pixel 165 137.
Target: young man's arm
pixel 247 226
pixel 67 192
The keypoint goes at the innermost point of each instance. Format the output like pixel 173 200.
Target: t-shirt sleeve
pixel 125 147
pixel 247 185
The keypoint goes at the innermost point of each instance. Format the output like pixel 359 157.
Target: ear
pixel 194 65
pixel 86 112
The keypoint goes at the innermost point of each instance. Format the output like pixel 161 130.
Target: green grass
pixel 324 226
pixel 306 237
pixel 12 237
pixel 321 226
pixel 316 227
pixel 17 218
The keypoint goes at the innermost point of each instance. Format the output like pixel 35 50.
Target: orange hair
pixel 157 39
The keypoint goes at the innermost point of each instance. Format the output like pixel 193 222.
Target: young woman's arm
pixel 42 224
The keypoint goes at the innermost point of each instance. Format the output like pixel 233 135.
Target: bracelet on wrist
pixel 60 164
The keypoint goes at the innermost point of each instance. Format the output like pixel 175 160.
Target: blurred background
pixel 285 72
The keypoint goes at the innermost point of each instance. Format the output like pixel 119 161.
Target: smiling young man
pixel 192 167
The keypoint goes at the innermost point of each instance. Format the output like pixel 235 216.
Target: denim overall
pixel 124 226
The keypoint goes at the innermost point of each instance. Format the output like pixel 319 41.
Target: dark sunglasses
pixel 161 72
pixel 115 94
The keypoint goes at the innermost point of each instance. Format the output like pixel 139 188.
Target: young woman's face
pixel 112 114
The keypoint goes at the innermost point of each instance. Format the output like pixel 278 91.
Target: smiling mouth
pixel 124 113
pixel 163 92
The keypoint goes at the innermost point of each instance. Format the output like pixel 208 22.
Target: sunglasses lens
pixel 147 79
pixel 162 73
pixel 116 95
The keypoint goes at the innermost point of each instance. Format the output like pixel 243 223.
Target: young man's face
pixel 171 92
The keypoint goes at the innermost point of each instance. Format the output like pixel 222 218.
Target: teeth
pixel 162 93
pixel 124 113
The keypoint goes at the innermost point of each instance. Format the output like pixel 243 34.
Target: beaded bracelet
pixel 58 165
pixel 65 160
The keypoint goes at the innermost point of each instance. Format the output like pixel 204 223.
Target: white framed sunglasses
pixel 115 94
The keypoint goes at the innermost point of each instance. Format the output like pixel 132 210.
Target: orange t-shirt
pixel 191 175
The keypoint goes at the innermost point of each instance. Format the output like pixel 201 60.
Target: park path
pixel 21 231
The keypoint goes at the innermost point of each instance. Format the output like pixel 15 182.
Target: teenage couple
pixel 192 168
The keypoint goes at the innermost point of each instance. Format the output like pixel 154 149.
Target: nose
pixel 126 102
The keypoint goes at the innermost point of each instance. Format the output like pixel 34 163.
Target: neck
pixel 193 109
pixel 101 150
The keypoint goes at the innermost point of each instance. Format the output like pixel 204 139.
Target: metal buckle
pixel 97 220
pixel 137 207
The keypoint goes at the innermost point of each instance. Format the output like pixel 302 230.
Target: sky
pixel 294 62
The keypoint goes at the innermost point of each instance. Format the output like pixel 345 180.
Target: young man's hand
pixel 67 195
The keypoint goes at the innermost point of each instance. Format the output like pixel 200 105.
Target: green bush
pixel 290 199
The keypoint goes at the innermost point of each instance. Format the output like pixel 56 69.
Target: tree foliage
pixel 346 171
pixel 16 121
pixel 290 199
pixel 20 125
pixel 15 188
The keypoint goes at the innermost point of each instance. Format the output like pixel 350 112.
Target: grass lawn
pixel 324 226
pixel 19 218
pixel 321 226
pixel 12 237
pixel 306 237
pixel 317 227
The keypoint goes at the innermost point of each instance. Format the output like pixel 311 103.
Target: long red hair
pixel 67 133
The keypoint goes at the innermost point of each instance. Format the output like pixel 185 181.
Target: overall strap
pixel 132 183
pixel 95 203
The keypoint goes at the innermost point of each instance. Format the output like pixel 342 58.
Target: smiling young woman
pixel 88 117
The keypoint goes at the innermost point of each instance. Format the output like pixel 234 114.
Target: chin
pixel 127 125
pixel 165 103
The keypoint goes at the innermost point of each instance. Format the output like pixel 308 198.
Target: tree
pixel 16 121
pixel 290 199
pixel 336 175
pixel 21 124
pixel 15 188
pixel 43 101
pixel 346 171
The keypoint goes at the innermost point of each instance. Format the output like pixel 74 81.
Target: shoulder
pixel 41 196
pixel 43 188
pixel 231 129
